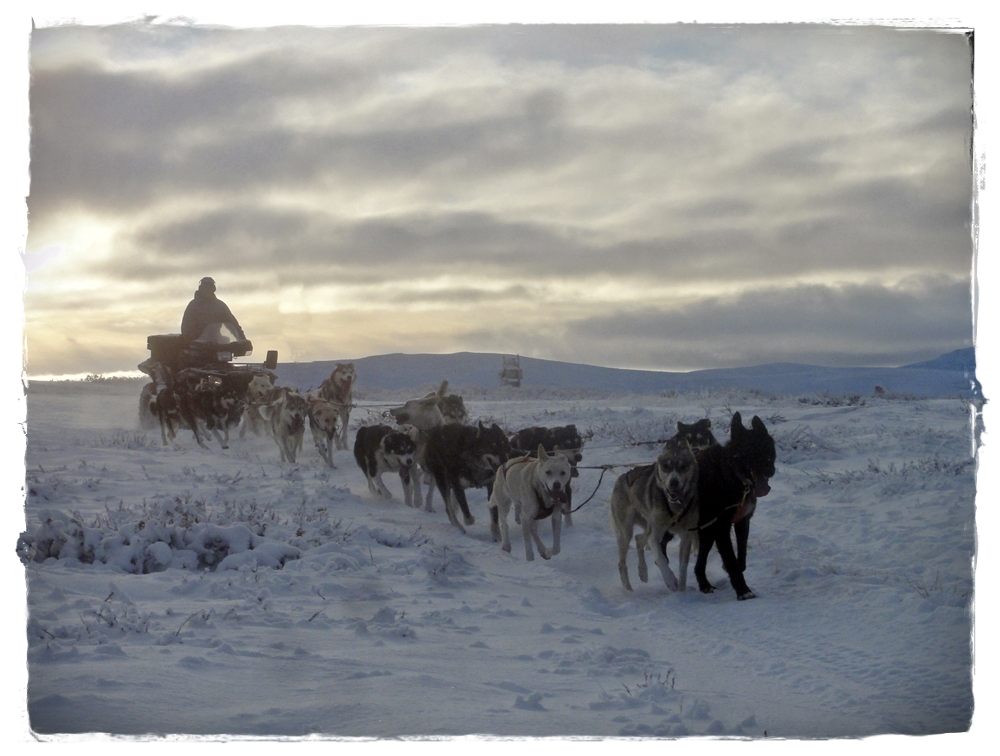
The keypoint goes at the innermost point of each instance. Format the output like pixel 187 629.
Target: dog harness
pixel 740 509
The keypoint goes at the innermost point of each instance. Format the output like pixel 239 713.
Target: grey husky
pixel 662 499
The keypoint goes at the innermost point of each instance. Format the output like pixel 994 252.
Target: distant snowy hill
pixel 950 375
pixel 960 359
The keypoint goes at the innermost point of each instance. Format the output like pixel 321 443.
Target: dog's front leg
pixel 406 478
pixel 683 559
pixel 494 507
pixel 341 437
pixel 384 492
pixel 556 527
pixel 449 506
pixel 197 435
pixel 742 530
pixel 429 480
pixel 661 561
pixel 218 436
pixel 529 527
pixel 705 541
pixel 640 552
pixel 527 535
pixel 729 561
pixel 502 515
pixel 463 502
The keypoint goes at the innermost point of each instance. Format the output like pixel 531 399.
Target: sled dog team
pixel 696 490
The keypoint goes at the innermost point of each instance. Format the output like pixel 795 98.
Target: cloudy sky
pixel 666 197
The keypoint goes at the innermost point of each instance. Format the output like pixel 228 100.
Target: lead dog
pixel 379 449
pixel 338 390
pixel 730 480
pixel 537 488
pixel 661 498
pixel 699 436
pixel 565 440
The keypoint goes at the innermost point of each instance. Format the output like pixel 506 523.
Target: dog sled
pixel 196 384
pixel 511 373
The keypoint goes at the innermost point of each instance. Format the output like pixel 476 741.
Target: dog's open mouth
pixel 558 497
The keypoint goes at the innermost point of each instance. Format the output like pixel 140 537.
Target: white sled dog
pixel 537 488
pixel 258 388
pixel 661 498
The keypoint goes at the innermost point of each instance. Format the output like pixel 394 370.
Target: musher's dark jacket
pixel 202 311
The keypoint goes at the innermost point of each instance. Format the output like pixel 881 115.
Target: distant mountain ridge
pixel 952 374
pixel 960 359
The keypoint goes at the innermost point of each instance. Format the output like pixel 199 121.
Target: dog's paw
pixel 470 520
pixel 707 588
pixel 746 596
pixel 505 547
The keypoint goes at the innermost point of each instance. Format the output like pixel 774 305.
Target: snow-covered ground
pixel 210 591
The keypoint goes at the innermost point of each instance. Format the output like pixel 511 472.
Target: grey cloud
pixel 800 160
pixel 115 141
pixel 314 247
pixel 823 324
pixel 466 295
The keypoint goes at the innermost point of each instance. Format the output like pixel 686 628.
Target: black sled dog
pixel 464 456
pixel 730 480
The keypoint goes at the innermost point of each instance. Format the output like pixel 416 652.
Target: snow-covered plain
pixel 215 591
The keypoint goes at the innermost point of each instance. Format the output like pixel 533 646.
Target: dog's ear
pixel 757 424
pixel 542 455
pixel 444 387
pixel 737 426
